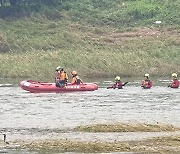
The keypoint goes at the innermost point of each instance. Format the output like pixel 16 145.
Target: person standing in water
pixel 118 83
pixel 175 82
pixel 146 83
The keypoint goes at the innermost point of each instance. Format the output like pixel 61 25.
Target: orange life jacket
pixel 62 76
pixel 76 80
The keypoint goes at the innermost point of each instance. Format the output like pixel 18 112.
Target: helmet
pixel 117 78
pixel 146 75
pixel 174 75
pixel 74 73
pixel 59 68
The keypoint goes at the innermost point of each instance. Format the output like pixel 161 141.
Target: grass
pixel 129 57
pixel 164 145
pixel 120 127
pixel 96 38
pixel 75 146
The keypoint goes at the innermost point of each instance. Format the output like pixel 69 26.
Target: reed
pixel 163 145
pixel 125 127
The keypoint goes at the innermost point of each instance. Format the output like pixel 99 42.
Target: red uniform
pixel 118 85
pixel 174 84
pixel 147 84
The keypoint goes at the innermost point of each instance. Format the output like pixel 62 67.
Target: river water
pixel 29 116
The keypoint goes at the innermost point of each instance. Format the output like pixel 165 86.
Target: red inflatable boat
pixel 46 87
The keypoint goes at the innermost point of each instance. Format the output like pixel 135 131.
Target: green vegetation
pixel 127 128
pixel 94 37
pixel 164 145
pixel 167 144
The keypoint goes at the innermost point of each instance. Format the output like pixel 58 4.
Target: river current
pixel 27 115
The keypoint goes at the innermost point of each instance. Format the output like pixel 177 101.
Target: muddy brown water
pixel 28 116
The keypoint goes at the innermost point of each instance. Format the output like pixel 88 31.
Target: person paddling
pixel 146 83
pixel 61 78
pixel 175 82
pixel 118 83
pixel 75 79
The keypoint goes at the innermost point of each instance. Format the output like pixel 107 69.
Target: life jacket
pixel 76 80
pixel 62 76
pixel 146 84
pixel 174 84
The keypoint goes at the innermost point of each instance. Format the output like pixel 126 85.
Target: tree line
pixel 12 3
pixel 19 8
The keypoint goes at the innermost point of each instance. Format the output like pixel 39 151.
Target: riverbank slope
pixel 96 38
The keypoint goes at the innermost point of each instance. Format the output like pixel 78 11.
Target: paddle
pixel 125 83
pixel 110 88
pixel 117 87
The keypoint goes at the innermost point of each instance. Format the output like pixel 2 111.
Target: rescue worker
pixel 118 83
pixel 61 78
pixel 75 79
pixel 146 83
pixel 175 82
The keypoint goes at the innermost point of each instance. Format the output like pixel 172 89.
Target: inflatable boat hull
pixel 46 87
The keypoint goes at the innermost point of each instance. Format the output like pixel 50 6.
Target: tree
pixel 13 2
